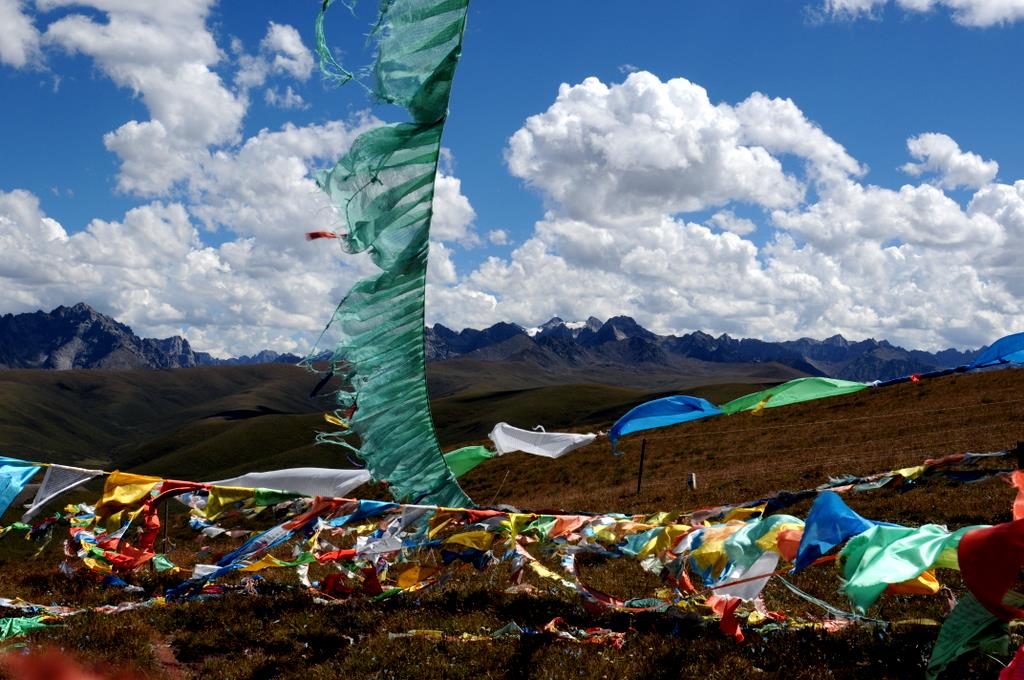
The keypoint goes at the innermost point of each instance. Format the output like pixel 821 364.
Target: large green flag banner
pixel 792 392
pixel 383 189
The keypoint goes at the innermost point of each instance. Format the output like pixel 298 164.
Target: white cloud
pixel 281 52
pixel 263 188
pixel 497 237
pixel 614 164
pixel 978 13
pixel 289 55
pixel 453 214
pixel 263 286
pixel 164 53
pixel 19 38
pixel 289 99
pixel 152 271
pixel 727 220
pixel 647 147
pixel 440 268
pixel 915 214
pixel 940 154
pixel 781 128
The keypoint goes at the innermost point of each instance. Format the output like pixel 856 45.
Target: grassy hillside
pixel 285 634
pixel 201 423
pixel 469 417
pixel 746 456
pixel 469 375
pixel 99 417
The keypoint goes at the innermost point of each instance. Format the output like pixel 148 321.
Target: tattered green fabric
pixel 17 626
pixel 969 626
pixel 384 190
pixel 264 497
pixel 887 554
pixel 793 392
pixel 461 461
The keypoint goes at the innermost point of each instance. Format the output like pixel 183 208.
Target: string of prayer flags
pixel 57 480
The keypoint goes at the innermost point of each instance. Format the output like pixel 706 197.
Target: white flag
pixel 327 482
pixel 548 444
pixel 56 481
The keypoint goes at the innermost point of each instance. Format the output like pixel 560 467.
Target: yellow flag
pixel 221 497
pixel 123 491
pixel 480 540
pixel 414 576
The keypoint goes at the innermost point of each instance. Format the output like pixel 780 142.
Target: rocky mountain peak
pixel 81 337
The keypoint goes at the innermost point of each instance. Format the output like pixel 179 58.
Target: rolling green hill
pixel 109 418
pixel 201 423
pixel 211 422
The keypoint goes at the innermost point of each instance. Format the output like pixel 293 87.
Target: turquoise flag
pixel 383 189
pixel 14 475
pixel 890 554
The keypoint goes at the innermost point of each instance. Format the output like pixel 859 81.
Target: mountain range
pixel 80 337
pixel 557 352
pixel 621 341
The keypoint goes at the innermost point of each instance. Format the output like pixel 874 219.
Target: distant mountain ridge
pixel 81 337
pixel 557 344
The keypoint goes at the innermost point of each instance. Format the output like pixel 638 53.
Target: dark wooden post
pixel 640 472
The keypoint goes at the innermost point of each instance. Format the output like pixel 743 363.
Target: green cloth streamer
pixel 161 563
pixel 20 625
pixel 461 461
pixel 793 392
pixel 969 626
pixel 264 497
pixel 384 190
pixel 886 554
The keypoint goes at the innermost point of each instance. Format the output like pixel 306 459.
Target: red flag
pixel 1015 671
pixel 313 235
pixel 990 560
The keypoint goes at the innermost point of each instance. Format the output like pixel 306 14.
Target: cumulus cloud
pixel 617 167
pixel 453 214
pixel 940 154
pixel 281 51
pixel 264 189
pixel 263 286
pixel 978 13
pixel 152 271
pixel 727 220
pixel 650 147
pixel 19 38
pixel 164 52
pixel 497 237
pixel 289 99
pixel 286 51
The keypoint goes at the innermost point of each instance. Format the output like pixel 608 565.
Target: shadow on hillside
pixel 246 413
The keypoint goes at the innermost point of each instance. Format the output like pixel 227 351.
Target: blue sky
pixel 732 166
